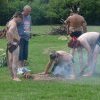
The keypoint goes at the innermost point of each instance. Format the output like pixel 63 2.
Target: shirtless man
pixel 91 42
pixel 13 46
pixel 76 25
pixel 61 64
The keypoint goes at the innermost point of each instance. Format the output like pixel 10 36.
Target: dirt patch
pixel 41 76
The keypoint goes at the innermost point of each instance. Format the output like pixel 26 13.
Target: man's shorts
pixel 23 52
pixel 11 47
pixel 76 34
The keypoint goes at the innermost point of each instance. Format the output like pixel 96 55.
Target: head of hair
pixel 26 7
pixel 18 14
pixel 53 55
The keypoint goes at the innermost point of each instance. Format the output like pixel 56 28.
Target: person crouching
pixel 61 65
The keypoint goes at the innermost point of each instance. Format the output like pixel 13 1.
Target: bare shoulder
pixel 92 33
pixel 11 24
pixel 61 51
pixel 64 53
pixel 69 18
pixel 82 17
pixel 88 35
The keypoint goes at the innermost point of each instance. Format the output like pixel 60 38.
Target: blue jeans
pixel 23 52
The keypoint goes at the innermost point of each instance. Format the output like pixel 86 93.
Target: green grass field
pixel 80 89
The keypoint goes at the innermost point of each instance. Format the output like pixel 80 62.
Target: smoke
pixel 94 79
pixel 66 71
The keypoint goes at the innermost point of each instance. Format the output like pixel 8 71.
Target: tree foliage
pixel 50 11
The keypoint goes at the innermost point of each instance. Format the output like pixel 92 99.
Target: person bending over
pixel 61 64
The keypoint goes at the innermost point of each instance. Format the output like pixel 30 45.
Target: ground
pixel 79 89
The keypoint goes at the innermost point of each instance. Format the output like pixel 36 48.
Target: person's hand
pixel 44 73
pixel 14 43
pixel 19 38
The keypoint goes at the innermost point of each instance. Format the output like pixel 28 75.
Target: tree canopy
pixel 50 11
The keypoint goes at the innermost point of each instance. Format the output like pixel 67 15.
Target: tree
pixel 50 11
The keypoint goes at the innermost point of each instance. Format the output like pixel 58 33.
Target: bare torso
pixel 14 31
pixel 64 56
pixel 90 41
pixel 76 20
pixel 90 37
pixel 76 23
pixel 64 66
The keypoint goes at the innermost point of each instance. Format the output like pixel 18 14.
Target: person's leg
pixel 15 64
pixel 72 70
pixel 81 61
pixel 10 59
pixel 26 50
pixel 73 51
pixel 21 53
pixel 89 50
pixel 95 55
pixel 25 56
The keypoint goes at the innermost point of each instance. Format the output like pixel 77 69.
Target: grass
pixel 81 89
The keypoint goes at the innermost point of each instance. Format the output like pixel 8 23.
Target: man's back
pixel 76 20
pixel 64 57
pixel 12 28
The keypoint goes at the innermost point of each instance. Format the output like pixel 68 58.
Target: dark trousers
pixel 76 34
pixel 23 52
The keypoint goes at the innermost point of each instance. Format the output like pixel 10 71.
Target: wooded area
pixel 50 11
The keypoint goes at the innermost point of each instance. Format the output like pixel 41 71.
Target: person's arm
pixel 67 23
pixel 31 24
pixel 2 34
pixel 48 66
pixel 84 25
pixel 30 27
pixel 10 32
